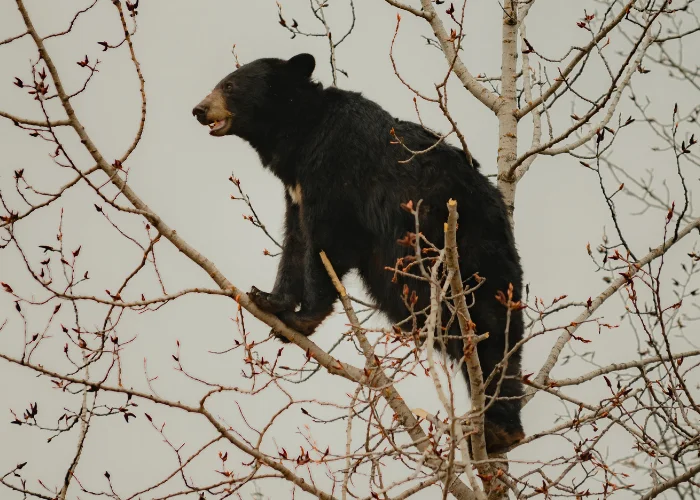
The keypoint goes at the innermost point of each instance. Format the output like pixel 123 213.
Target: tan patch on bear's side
pixel 295 193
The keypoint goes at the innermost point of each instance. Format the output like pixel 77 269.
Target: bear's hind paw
pixel 499 439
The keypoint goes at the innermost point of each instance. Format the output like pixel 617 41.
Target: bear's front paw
pixel 278 336
pixel 289 319
pixel 259 298
pixel 268 302
pixel 302 322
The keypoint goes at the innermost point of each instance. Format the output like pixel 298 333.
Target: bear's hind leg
pixel 502 426
pixel 502 423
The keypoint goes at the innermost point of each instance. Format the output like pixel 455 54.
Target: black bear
pixel 346 177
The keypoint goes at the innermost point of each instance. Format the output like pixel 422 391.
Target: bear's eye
pixel 228 87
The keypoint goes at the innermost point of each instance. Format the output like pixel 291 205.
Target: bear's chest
pixel 294 193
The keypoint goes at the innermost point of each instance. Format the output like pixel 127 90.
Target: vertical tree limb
pixel 466 326
pixel 507 120
pixel 378 379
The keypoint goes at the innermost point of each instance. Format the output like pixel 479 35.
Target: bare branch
pixel 632 270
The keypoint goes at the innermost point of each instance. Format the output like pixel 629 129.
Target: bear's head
pixel 250 100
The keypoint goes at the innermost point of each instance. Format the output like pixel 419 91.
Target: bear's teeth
pixel 217 124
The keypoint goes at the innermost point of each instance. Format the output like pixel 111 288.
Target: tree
pixel 90 268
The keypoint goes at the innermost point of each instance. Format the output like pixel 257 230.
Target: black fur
pixel 336 145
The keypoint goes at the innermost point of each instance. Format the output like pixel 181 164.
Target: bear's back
pixel 374 171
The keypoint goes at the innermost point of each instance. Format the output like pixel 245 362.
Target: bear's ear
pixel 302 64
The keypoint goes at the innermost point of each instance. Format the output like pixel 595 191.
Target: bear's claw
pixel 267 301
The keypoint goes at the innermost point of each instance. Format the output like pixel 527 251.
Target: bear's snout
pixel 200 112
pixel 212 111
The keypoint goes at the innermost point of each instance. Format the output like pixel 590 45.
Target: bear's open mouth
pixel 219 127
